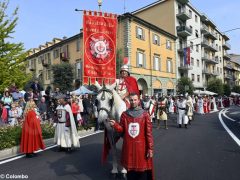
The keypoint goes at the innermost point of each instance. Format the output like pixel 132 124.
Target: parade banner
pixel 99 37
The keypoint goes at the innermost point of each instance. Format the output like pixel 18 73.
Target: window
pixel 139 33
pixel 220 59
pixel 192 61
pixel 198 78
pixel 141 59
pixel 64 51
pixel 169 65
pixel 156 39
pixel 193 77
pixel 198 63
pixel 221 70
pixel 196 33
pixel 156 62
pixel 79 69
pixel 191 46
pixel 191 29
pixel 48 74
pixel 40 59
pixel 168 44
pixel 190 13
pixel 197 47
pixel 220 48
pixel 78 45
pixel 55 53
pixel 196 18
pixel 218 69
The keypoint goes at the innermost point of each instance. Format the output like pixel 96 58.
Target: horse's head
pixel 105 101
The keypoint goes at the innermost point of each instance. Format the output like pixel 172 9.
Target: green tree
pixel 12 55
pixel 236 89
pixel 63 76
pixel 185 85
pixel 215 85
pixel 226 89
pixel 118 62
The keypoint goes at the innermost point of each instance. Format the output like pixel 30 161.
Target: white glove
pixel 55 124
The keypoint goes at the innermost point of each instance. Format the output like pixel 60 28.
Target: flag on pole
pixel 99 36
pixel 187 55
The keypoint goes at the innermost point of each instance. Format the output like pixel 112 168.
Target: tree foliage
pixel 185 85
pixel 226 89
pixel 63 76
pixel 236 89
pixel 12 55
pixel 215 85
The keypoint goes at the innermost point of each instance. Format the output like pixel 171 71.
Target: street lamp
pixel 99 4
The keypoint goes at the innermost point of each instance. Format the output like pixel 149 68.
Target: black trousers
pixel 137 175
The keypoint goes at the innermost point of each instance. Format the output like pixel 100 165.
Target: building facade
pixel 195 30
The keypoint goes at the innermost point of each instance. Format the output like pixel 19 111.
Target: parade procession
pixel 150 94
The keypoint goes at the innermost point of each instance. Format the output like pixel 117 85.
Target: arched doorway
pixel 142 85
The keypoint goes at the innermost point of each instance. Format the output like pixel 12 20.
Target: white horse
pixel 110 106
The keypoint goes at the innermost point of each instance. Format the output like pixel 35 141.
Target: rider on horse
pixel 126 84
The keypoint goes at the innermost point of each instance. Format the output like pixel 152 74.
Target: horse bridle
pixel 104 90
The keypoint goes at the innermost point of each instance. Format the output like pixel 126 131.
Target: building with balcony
pixel 193 29
pixel 235 68
pixel 57 51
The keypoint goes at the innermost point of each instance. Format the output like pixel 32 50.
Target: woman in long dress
pixel 31 131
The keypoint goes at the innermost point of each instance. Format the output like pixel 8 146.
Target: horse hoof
pixel 123 176
pixel 113 175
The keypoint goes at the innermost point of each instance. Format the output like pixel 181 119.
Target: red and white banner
pixel 99 37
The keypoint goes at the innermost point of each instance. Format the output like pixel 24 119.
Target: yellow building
pixel 151 54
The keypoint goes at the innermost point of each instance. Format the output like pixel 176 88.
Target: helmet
pixel 125 68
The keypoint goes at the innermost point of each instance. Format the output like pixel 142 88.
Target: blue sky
pixel 42 20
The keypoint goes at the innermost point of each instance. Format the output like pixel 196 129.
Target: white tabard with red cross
pixel 133 129
pixel 121 87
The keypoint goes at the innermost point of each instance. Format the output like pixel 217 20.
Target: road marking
pixel 224 114
pixel 227 129
pixel 49 147
pixel 236 112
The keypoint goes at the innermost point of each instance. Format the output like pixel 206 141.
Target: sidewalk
pixel 14 151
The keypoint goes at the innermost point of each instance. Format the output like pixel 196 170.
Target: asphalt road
pixel 204 151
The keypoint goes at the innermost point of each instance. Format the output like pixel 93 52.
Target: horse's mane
pixel 119 106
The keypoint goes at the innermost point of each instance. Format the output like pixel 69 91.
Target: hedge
pixel 10 136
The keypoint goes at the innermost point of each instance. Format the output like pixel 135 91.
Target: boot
pixel 179 125
pixel 165 123
pixel 186 126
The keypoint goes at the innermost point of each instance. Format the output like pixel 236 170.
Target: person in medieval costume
pixel 161 112
pixel 220 102
pixel 213 106
pixel 66 135
pixel 205 105
pixel 182 117
pixel 200 105
pixel 31 138
pixel 137 148
pixel 126 84
pixel 170 105
pixel 148 104
pixel 189 109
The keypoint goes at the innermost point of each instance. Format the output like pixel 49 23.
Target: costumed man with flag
pixel 126 84
pixel 149 104
pixel 66 134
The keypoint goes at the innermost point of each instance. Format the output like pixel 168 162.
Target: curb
pixel 14 151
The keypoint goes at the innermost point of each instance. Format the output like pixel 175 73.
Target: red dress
pixel 137 142
pixel 31 134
